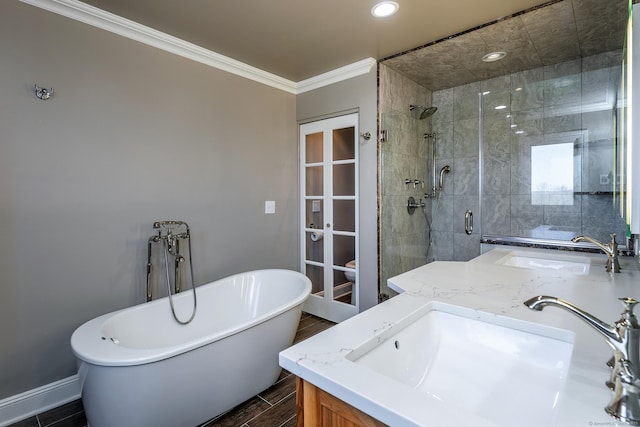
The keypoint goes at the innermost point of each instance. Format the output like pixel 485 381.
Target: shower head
pixel 419 112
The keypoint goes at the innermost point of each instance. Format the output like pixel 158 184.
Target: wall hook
pixel 43 93
pixel 365 137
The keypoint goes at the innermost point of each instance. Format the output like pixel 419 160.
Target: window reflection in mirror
pixel 552 174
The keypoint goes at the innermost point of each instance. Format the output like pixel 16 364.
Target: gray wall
pixel 132 135
pixel 355 93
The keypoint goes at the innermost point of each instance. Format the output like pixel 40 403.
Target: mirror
pixel 535 140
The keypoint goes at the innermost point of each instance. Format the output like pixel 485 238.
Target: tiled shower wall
pixel 572 102
pixel 405 155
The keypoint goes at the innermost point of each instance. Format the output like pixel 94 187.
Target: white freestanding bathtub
pixel 139 367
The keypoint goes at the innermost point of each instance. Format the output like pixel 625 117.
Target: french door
pixel 329 215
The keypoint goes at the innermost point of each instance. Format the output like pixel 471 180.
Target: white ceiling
pixel 300 39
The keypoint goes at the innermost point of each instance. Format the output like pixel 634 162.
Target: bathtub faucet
pixel 611 250
pixel 170 233
pixel 624 338
pixel 171 237
pixel 169 224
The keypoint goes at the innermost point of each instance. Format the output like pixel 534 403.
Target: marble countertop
pixel 480 284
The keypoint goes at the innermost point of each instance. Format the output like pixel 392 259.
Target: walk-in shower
pixel 497 129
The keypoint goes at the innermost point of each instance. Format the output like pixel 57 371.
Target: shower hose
pixel 193 286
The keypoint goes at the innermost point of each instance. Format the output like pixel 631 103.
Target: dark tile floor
pixel 274 407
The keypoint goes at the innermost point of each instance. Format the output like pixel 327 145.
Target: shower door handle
pixel 468 221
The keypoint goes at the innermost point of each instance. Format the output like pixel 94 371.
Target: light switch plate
pixel 270 207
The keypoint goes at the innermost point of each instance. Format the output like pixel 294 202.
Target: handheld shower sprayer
pixel 169 235
pixel 445 169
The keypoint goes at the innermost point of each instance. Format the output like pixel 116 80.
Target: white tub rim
pixel 89 335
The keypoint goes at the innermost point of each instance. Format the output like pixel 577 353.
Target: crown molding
pixel 337 75
pixel 99 18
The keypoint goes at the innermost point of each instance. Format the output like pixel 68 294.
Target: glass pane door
pixel 329 241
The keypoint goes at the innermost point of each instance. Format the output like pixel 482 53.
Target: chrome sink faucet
pixel 624 338
pixel 611 250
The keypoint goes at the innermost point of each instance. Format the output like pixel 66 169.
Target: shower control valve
pixel 412 205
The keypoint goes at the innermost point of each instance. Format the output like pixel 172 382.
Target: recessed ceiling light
pixel 494 56
pixel 385 8
pixel 500 107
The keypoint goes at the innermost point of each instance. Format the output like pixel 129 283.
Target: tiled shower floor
pixel 274 407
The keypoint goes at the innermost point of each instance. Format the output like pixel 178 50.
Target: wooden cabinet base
pixel 317 408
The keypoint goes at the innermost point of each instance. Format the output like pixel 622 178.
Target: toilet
pixel 351 275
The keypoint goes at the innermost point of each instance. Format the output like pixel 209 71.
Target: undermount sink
pixel 559 263
pixel 501 369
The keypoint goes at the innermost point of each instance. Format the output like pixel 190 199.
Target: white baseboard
pixel 38 400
